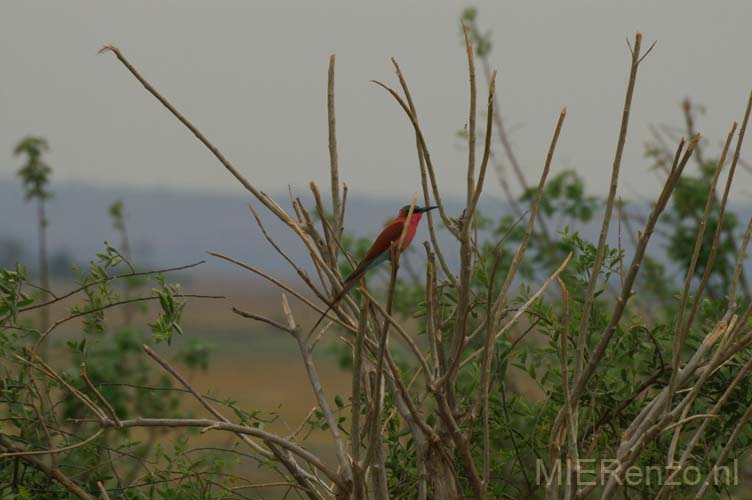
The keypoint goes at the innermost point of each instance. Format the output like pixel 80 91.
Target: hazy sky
pixel 252 76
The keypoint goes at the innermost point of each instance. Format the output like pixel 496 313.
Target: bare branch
pixel 216 413
pixel 52 473
pixel 85 377
pixel 493 325
pixel 358 472
pixel 487 144
pixel 396 251
pixel 52 451
pixel 318 390
pixel 333 160
pixel 283 287
pixel 263 319
pixel 219 425
pixel 424 179
pixel 214 150
pixel 740 264
pixel 621 301
pixel 451 226
pixel 103 491
pixel 471 124
pixel 596 268
pixel 105 280
pixel 699 240
pixel 522 309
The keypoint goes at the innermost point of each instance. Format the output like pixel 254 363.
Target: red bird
pixel 380 250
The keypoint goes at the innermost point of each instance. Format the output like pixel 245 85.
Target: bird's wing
pixel 381 244
pixel 378 253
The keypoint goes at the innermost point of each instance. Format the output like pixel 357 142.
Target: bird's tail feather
pixel 350 282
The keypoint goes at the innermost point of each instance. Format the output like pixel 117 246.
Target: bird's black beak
pixel 428 209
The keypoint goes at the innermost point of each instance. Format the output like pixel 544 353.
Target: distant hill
pixel 170 227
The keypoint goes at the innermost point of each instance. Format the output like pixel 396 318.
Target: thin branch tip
pixel 466 31
pixel 492 86
pixel 108 48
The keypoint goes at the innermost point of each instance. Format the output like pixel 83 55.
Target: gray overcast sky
pixel 252 76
